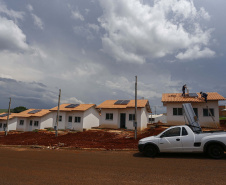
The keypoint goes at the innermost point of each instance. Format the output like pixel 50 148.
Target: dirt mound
pixel 89 139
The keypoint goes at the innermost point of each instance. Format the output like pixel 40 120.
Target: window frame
pixel 70 119
pixel 60 118
pixel 177 111
pixel 163 135
pixel 208 114
pixel 21 123
pixel 36 123
pixel 196 112
pixel 77 119
pixel 109 116
pixel 184 133
pixel 131 117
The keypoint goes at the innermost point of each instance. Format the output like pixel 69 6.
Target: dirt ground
pixel 34 167
pixel 104 138
pixel 98 138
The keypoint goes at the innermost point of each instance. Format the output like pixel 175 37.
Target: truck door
pixel 170 141
pixel 187 140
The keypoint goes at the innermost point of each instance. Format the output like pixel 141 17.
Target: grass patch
pixel 3 110
pixel 222 118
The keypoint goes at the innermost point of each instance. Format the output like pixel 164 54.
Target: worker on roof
pixel 183 90
pixel 204 95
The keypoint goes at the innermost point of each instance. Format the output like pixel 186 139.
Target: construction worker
pixel 204 95
pixel 183 90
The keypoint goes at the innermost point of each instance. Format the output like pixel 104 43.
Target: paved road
pixel 37 166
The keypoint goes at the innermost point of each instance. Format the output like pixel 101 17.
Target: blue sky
pixel 93 50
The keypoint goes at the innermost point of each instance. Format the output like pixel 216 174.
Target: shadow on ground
pixel 180 156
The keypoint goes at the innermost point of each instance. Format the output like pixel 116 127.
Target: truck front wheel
pixel 215 151
pixel 150 151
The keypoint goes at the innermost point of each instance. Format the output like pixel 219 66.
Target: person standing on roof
pixel 204 95
pixel 183 90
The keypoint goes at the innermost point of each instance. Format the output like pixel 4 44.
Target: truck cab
pixel 185 138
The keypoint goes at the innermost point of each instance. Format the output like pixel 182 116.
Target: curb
pixel 64 148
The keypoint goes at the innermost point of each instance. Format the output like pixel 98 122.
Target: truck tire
pixel 150 151
pixel 215 151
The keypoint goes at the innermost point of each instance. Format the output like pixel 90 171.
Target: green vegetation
pixel 3 110
pixel 19 109
pixel 15 110
pixel 222 118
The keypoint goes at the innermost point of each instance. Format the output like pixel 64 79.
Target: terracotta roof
pixel 177 97
pixel 109 104
pixel 26 114
pixel 81 107
pixel 12 115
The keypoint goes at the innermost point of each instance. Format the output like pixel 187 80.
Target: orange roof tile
pixel 12 115
pixel 110 104
pixel 177 97
pixel 81 107
pixel 26 114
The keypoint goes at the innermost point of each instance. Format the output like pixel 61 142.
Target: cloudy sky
pixel 93 49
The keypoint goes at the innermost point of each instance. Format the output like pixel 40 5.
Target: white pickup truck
pixel 185 138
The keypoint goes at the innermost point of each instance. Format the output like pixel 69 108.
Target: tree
pixel 19 109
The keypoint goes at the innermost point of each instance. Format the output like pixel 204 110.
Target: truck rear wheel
pixel 215 151
pixel 150 151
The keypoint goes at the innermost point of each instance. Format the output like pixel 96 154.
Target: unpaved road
pixel 38 166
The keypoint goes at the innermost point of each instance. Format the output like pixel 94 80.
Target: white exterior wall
pixel 61 124
pixel 91 118
pixel 142 118
pixel 33 127
pixel 46 121
pixel 75 126
pixel 109 123
pixel 158 117
pixel 204 121
pixel 24 126
pixel 12 124
pixel 129 124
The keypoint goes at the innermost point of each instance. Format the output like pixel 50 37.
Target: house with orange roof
pixel 12 121
pixel 207 112
pixel 121 114
pixel 32 119
pixel 76 116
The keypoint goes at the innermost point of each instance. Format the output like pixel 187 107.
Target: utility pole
pixel 57 119
pixel 135 121
pixel 6 128
pixel 155 110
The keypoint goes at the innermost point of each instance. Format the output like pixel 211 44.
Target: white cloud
pixel 94 27
pixel 136 32
pixel 149 90
pixel 11 13
pixel 76 15
pixel 195 53
pixel 30 7
pixel 37 21
pixel 72 100
pixel 11 36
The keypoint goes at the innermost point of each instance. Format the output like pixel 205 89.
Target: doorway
pixel 123 120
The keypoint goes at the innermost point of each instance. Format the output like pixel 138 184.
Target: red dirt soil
pixel 107 139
